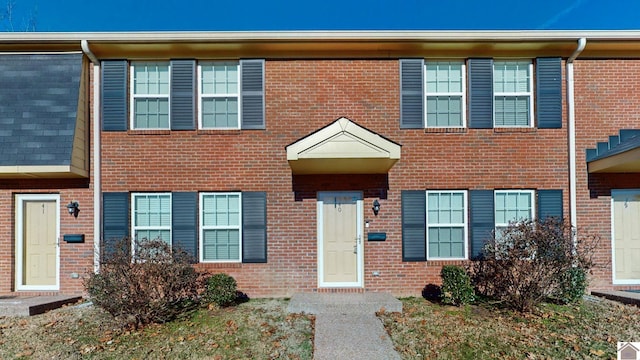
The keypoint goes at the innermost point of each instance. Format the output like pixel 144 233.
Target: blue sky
pixel 230 15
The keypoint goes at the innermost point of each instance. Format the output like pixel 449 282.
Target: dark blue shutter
pixel 414 247
pixel 411 94
pixel 184 222
pixel 550 204
pixel 115 220
pixel 254 227
pixel 481 93
pixel 114 95
pixel 252 93
pixel 183 89
pixel 549 93
pixel 482 219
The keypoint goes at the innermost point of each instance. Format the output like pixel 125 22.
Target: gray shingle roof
pixel 38 108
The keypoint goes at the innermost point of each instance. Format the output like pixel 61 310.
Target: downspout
pixel 573 197
pixel 97 185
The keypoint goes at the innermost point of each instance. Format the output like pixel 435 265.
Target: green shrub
pixel 221 289
pixel 573 285
pixel 154 284
pixel 456 286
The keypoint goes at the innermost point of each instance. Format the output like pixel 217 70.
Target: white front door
pixel 625 226
pixel 340 249
pixel 37 250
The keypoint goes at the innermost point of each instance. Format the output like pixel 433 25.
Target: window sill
pixel 446 130
pixel 515 129
pixel 217 265
pixel 149 132
pixel 441 262
pixel 219 132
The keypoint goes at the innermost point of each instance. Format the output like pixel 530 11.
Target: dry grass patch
pixel 258 329
pixel 588 330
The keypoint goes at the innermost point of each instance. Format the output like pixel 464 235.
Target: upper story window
pixel 150 95
pixel 513 96
pixel 446 224
pixel 512 205
pixel 220 227
pixel 219 95
pixel 151 216
pixel 445 93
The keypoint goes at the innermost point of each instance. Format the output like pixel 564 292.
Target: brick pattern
pixel 301 97
pixel 606 101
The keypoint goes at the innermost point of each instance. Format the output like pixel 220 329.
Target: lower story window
pixel 220 227
pixel 151 217
pixel 447 224
pixel 512 206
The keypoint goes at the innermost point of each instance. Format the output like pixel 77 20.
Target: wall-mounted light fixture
pixel 376 207
pixel 73 208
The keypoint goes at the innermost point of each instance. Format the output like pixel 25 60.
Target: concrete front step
pixel 33 305
pixel 343 303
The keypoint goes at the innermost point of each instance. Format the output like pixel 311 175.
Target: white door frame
pixel 20 199
pixel 359 245
pixel 615 281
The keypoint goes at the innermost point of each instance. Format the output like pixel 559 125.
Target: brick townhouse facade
pixel 317 161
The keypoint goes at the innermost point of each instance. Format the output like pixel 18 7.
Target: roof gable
pixel 342 147
pixel 39 103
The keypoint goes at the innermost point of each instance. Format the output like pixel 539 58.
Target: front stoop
pixel 33 305
pixel 625 297
pixel 344 303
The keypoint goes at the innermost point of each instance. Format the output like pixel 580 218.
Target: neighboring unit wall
pixel 75 258
pixel 606 94
pixel 302 96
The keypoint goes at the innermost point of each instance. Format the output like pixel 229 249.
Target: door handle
pixel 355 249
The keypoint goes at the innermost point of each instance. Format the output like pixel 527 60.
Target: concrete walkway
pixel 625 297
pixel 346 324
pixel 14 305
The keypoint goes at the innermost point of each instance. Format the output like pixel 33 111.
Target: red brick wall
pixel 606 100
pixel 74 258
pixel 302 96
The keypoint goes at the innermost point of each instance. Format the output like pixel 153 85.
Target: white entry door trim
pixel 359 242
pixel 626 196
pixel 21 199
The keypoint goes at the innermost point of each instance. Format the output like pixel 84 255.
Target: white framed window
pixel 151 216
pixel 150 95
pixel 445 87
pixel 513 93
pixel 513 206
pixel 220 227
pixel 447 225
pixel 219 95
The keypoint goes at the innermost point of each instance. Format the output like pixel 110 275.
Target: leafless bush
pixel 149 283
pixel 530 262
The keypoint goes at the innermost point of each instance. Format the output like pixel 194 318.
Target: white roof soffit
pixel 343 147
pixel 330 44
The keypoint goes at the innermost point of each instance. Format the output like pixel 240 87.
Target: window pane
pixel 151 113
pixel 221 245
pixel 512 206
pixel 444 111
pixel 512 110
pixel 511 76
pixel 220 112
pixel 219 78
pixel 446 242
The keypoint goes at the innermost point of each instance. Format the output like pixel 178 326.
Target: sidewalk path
pixel 346 324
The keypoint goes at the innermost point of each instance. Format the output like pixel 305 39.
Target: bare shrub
pixel 152 284
pixel 530 262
